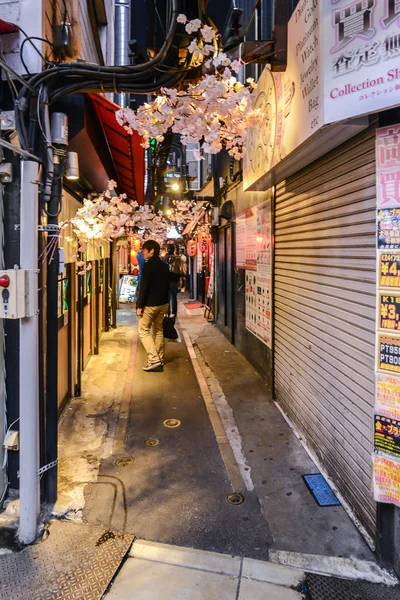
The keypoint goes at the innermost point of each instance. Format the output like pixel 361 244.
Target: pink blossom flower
pixel 181 18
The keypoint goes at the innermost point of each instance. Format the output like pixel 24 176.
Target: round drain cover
pixel 235 498
pixel 125 461
pixel 151 443
pixel 172 423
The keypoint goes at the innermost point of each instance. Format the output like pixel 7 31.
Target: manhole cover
pixel 125 461
pixel 172 423
pixel 151 443
pixel 235 498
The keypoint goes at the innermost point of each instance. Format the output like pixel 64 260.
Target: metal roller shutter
pixel 325 297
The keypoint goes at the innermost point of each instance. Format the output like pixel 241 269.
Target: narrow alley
pixel 199 300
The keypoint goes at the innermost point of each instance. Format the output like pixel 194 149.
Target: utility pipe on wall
pixel 29 363
pixel 122 37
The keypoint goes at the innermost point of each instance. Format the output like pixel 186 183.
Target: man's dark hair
pixel 170 248
pixel 152 245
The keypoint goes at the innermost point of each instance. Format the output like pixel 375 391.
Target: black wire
pixel 29 39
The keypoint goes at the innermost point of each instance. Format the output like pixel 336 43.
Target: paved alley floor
pixel 176 490
pixel 231 438
pixel 125 475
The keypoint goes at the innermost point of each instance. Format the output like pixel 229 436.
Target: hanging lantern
pixel 191 248
pixel 136 244
pixel 203 242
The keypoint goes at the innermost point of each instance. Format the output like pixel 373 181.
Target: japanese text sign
pixel 360 55
pixel 389 312
pixel 386 480
pixel 388 166
pixel 389 270
pixel 389 228
pixel 387 400
pixel 387 435
pixel 389 353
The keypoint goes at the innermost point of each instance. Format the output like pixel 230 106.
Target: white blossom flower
pixel 181 18
pixel 193 47
pixel 193 26
pixel 208 33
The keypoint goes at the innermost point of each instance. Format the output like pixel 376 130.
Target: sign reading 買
pixel 343 62
pixel 389 312
pixel 388 166
pixel 389 353
pixel 360 55
pixel 389 270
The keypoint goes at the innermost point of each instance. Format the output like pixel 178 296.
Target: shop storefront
pixel 310 316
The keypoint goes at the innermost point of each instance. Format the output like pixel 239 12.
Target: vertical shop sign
pixel 388 166
pixel 199 259
pixel 387 388
pixel 240 234
pixel 210 291
pixel 259 279
pixel 251 240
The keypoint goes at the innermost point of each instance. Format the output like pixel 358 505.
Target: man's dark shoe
pixel 158 367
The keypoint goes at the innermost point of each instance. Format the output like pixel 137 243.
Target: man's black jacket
pixel 154 284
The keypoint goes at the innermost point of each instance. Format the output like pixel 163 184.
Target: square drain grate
pixel 320 490
pixel 328 588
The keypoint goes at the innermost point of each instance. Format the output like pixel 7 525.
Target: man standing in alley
pixel 152 304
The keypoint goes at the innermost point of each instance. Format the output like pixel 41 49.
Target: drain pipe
pixel 29 363
pixel 122 37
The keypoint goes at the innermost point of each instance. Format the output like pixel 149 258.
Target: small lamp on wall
pixel 72 170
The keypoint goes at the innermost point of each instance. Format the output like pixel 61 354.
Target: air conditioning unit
pixel 193 166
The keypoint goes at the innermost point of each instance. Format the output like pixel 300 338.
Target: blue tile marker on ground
pixel 321 491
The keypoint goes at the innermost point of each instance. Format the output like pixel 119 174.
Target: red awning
pixel 6 27
pixel 125 149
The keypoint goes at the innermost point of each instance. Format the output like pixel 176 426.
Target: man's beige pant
pixel 151 324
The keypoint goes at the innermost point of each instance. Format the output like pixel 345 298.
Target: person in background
pixel 152 305
pixel 174 264
pixel 183 258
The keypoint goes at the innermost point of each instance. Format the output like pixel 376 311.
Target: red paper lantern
pixel 203 242
pixel 191 248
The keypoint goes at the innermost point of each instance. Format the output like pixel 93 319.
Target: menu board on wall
pixel 259 276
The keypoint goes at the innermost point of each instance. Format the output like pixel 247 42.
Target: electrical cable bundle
pixel 39 91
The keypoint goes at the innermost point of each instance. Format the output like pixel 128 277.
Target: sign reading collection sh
pixel 387 395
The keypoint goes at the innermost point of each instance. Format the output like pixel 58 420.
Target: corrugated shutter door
pixel 325 269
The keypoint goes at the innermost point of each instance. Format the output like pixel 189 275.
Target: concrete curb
pixel 344 568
